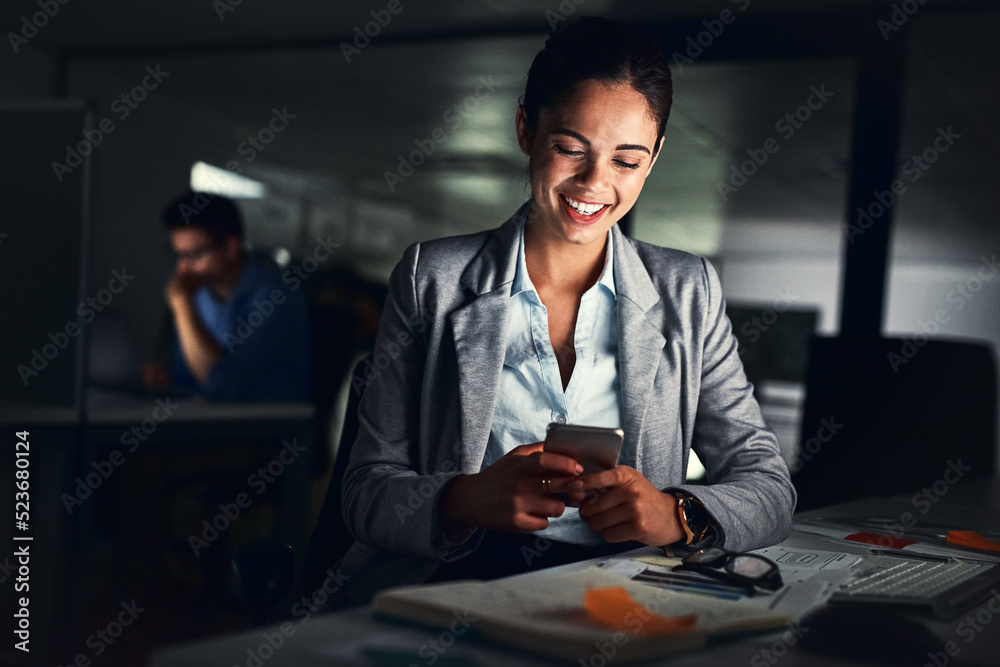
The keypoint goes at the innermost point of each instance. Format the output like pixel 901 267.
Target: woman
pixel 556 316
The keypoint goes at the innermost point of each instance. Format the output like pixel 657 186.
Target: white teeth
pixel 586 209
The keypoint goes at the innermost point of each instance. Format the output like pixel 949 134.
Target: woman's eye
pixel 627 165
pixel 563 151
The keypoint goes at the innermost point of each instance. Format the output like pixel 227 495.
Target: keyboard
pixel 944 588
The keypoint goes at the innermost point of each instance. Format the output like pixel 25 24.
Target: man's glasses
pixel 748 570
pixel 191 255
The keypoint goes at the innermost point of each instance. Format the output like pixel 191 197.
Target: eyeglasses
pixel 748 570
pixel 191 255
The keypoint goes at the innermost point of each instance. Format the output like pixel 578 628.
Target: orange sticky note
pixel 970 538
pixel 614 608
pixel 884 541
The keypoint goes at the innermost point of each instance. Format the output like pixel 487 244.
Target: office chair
pixel 333 328
pixel 331 539
pixel 265 569
pixel 883 418
pixel 265 572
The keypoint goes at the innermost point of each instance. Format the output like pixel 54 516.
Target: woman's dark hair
pixel 598 49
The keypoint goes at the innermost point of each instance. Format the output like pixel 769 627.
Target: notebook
pixel 545 614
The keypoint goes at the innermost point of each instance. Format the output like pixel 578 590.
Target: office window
pixel 753 175
pixel 944 279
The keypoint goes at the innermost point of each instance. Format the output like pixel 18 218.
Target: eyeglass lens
pixel 750 567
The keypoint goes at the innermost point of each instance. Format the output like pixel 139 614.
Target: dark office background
pixel 437 87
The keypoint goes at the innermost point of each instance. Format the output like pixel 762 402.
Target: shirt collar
pixel 249 277
pixel 522 281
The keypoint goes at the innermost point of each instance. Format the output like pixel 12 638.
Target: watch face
pixel 695 516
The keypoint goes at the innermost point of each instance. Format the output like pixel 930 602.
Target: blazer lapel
pixel 479 329
pixel 640 342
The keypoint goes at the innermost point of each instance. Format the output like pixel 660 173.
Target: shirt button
pixel 561 419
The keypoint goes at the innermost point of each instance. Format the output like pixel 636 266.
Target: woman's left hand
pixel 623 505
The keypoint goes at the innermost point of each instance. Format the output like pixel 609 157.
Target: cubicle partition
pixel 45 172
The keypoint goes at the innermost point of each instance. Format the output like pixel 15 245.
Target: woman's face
pixel 588 161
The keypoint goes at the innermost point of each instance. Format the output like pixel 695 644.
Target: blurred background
pixel 367 126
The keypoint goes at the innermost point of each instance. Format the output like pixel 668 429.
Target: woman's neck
pixel 562 266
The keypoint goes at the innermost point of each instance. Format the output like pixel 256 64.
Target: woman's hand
pixel 623 505
pixel 510 494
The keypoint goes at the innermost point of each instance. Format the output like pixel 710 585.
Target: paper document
pixel 810 577
pixel 546 613
pixel 924 540
pixel 801 564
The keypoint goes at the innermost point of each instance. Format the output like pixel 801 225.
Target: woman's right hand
pixel 510 495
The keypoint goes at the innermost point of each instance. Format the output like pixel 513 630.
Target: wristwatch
pixel 693 517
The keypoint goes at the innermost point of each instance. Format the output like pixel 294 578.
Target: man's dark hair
pixel 598 49
pixel 215 214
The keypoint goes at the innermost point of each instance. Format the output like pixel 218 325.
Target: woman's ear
pixel 521 127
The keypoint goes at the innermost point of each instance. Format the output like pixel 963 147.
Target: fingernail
pixel 579 468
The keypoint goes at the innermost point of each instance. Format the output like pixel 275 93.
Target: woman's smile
pixel 581 212
pixel 589 160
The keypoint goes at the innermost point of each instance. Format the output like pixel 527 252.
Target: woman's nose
pixel 592 175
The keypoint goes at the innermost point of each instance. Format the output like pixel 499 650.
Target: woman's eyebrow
pixel 620 147
pixel 632 147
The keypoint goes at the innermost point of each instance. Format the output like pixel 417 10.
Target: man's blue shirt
pixel 263 329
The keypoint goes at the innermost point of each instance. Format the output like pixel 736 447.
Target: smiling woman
pixel 589 159
pixel 556 316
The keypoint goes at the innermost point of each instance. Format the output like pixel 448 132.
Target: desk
pixel 177 422
pixel 195 439
pixel 66 447
pixel 337 638
pixel 187 422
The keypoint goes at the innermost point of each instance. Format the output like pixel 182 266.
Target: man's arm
pixel 201 352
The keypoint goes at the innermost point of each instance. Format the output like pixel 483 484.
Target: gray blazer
pixel 429 399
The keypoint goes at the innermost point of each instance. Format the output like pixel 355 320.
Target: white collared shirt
pixel 531 394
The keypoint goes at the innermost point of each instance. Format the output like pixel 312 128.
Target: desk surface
pixel 21 415
pixel 339 638
pixel 118 408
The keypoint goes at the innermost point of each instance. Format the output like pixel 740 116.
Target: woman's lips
pixel 578 217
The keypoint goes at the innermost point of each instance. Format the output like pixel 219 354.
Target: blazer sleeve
pixel 391 489
pixel 749 493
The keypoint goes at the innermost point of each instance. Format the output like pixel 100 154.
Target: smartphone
pixel 593 447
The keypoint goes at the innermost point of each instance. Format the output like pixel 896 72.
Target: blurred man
pixel 241 333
